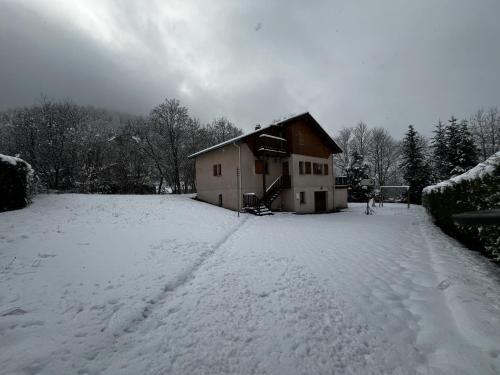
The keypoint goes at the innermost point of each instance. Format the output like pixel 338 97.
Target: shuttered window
pixel 217 169
pixel 317 168
pixel 308 167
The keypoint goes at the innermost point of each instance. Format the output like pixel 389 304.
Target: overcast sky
pixel 386 63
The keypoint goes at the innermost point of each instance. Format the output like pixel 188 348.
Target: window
pixel 302 197
pixel 308 167
pixel 317 168
pixel 220 198
pixel 217 170
pixel 301 167
pixel 325 169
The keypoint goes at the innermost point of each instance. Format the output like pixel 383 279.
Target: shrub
pixel 16 183
pixel 477 189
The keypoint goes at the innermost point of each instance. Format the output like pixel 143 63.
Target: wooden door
pixel 319 201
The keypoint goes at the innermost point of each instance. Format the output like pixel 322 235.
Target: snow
pixel 478 172
pixel 166 284
pixel 240 137
pixel 272 137
pixel 10 159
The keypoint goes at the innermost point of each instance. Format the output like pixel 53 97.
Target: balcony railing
pixel 271 145
pixel 341 181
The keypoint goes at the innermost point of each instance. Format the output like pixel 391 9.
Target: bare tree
pixel 343 160
pixel 383 155
pixel 485 127
pixel 170 120
pixel 221 129
pixel 361 139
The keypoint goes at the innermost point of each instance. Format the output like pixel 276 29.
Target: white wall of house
pixel 210 186
pixel 340 198
pixel 309 183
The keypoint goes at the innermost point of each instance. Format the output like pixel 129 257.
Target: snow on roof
pixel 272 136
pixel 235 139
pixel 222 144
pixel 478 172
pixel 240 137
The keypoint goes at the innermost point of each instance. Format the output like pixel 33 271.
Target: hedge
pixel 477 189
pixel 16 183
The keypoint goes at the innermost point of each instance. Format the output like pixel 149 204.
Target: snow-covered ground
pixel 168 285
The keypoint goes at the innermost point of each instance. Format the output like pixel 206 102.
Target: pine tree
pixel 462 152
pixel 357 171
pixel 467 152
pixel 416 171
pixel 452 136
pixel 440 153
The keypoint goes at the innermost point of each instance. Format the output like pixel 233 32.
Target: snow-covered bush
pixel 16 183
pixel 476 189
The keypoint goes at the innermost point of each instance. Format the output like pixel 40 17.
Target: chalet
pixel 286 166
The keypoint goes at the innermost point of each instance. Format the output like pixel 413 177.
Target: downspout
pixel 333 183
pixel 239 177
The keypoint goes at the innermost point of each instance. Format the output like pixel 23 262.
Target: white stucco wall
pixel 209 186
pixel 340 198
pixel 309 183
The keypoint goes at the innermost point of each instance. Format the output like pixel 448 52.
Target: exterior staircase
pixel 262 207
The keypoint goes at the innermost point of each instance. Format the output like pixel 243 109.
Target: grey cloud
pixel 387 63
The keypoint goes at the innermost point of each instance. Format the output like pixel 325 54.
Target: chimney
pixel 257 127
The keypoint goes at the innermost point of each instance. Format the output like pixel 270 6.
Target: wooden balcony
pixel 270 145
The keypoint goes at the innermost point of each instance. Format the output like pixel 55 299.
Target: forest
pixel 88 150
pixel 84 149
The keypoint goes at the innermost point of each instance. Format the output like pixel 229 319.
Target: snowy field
pixel 168 285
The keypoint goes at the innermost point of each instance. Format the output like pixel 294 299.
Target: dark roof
pixel 331 143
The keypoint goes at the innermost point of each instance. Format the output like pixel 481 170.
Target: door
pixel 319 201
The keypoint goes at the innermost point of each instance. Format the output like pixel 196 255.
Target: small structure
pixel 286 166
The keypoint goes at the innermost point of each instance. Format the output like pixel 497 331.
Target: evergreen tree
pixel 467 152
pixel 452 136
pixel 462 152
pixel 440 153
pixel 414 166
pixel 357 171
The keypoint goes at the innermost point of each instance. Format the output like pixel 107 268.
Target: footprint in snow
pixel 40 255
pixel 13 311
pixel 443 285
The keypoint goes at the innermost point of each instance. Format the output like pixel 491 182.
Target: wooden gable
pixel 305 139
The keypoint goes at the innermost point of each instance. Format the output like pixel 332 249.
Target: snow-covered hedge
pixel 476 189
pixel 16 183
